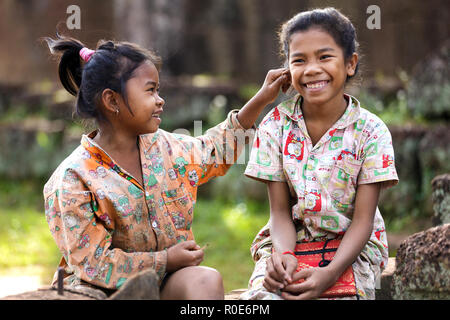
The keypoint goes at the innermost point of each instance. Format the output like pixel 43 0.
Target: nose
pixel 160 101
pixel 312 68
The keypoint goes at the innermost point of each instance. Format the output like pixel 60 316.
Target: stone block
pixel 423 265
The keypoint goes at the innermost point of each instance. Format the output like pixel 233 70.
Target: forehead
pixel 146 72
pixel 311 40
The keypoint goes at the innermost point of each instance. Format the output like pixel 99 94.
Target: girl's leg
pixel 193 283
pixel 365 278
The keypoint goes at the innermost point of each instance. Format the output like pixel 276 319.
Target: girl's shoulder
pixel 370 122
pixel 166 138
pixel 284 110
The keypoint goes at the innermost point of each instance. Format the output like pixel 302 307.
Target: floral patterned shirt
pixel 323 178
pixel 107 226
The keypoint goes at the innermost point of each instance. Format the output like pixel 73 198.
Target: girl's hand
pixel 279 271
pixel 276 79
pixel 183 254
pixel 317 280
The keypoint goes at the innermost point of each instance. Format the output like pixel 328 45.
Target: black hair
pixel 110 67
pixel 329 20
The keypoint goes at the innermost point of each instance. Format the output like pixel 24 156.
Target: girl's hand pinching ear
pixel 276 79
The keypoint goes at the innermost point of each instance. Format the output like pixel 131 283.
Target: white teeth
pixel 316 85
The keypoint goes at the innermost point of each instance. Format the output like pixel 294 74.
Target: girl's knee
pixel 194 283
pixel 209 281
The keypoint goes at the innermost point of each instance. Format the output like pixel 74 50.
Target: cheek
pixel 295 78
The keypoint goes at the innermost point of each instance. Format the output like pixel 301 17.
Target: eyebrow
pixel 298 54
pixel 150 82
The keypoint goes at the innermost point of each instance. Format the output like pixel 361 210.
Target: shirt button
pixel 308 221
pixel 154 224
pixel 147 193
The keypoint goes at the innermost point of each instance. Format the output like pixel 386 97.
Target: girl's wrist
pixel 334 271
pixel 262 98
pixel 290 252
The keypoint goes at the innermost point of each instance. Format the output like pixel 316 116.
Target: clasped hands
pixel 281 276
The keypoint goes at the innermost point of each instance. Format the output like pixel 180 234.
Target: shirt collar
pixel 95 150
pixel 291 108
pixel 103 159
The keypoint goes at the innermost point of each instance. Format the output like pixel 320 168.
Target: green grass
pixel 25 241
pixel 229 230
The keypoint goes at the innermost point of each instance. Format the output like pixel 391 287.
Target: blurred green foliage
pixel 229 229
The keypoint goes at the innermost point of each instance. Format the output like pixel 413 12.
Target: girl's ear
pixel 352 62
pixel 110 101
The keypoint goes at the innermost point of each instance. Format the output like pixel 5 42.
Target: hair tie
pixel 86 54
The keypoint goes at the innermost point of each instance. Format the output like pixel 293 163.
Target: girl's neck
pixel 326 113
pixel 114 141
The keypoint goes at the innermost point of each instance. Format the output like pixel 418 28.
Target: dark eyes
pixel 153 89
pixel 322 57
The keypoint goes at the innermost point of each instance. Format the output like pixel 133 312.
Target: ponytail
pixel 70 68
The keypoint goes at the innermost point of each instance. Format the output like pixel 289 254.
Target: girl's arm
pixel 213 153
pixel 360 229
pixel 353 242
pixel 275 80
pixel 284 236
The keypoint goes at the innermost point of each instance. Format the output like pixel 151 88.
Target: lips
pixel 157 114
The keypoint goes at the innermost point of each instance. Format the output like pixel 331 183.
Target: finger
pixel 297 288
pixel 190 245
pixel 271 284
pixel 195 257
pixel 289 296
pixel 276 73
pixel 287 83
pixel 280 272
pixel 273 273
pixel 302 274
pixel 290 269
pixel 282 82
pixel 303 296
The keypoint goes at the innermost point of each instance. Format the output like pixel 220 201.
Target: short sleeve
pixel 378 158
pixel 265 162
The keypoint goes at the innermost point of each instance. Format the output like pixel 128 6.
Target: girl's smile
pixel 316 85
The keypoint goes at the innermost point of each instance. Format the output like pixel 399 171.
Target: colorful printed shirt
pixel 323 178
pixel 107 226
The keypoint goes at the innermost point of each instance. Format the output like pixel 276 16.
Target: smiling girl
pixel 122 202
pixel 324 168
